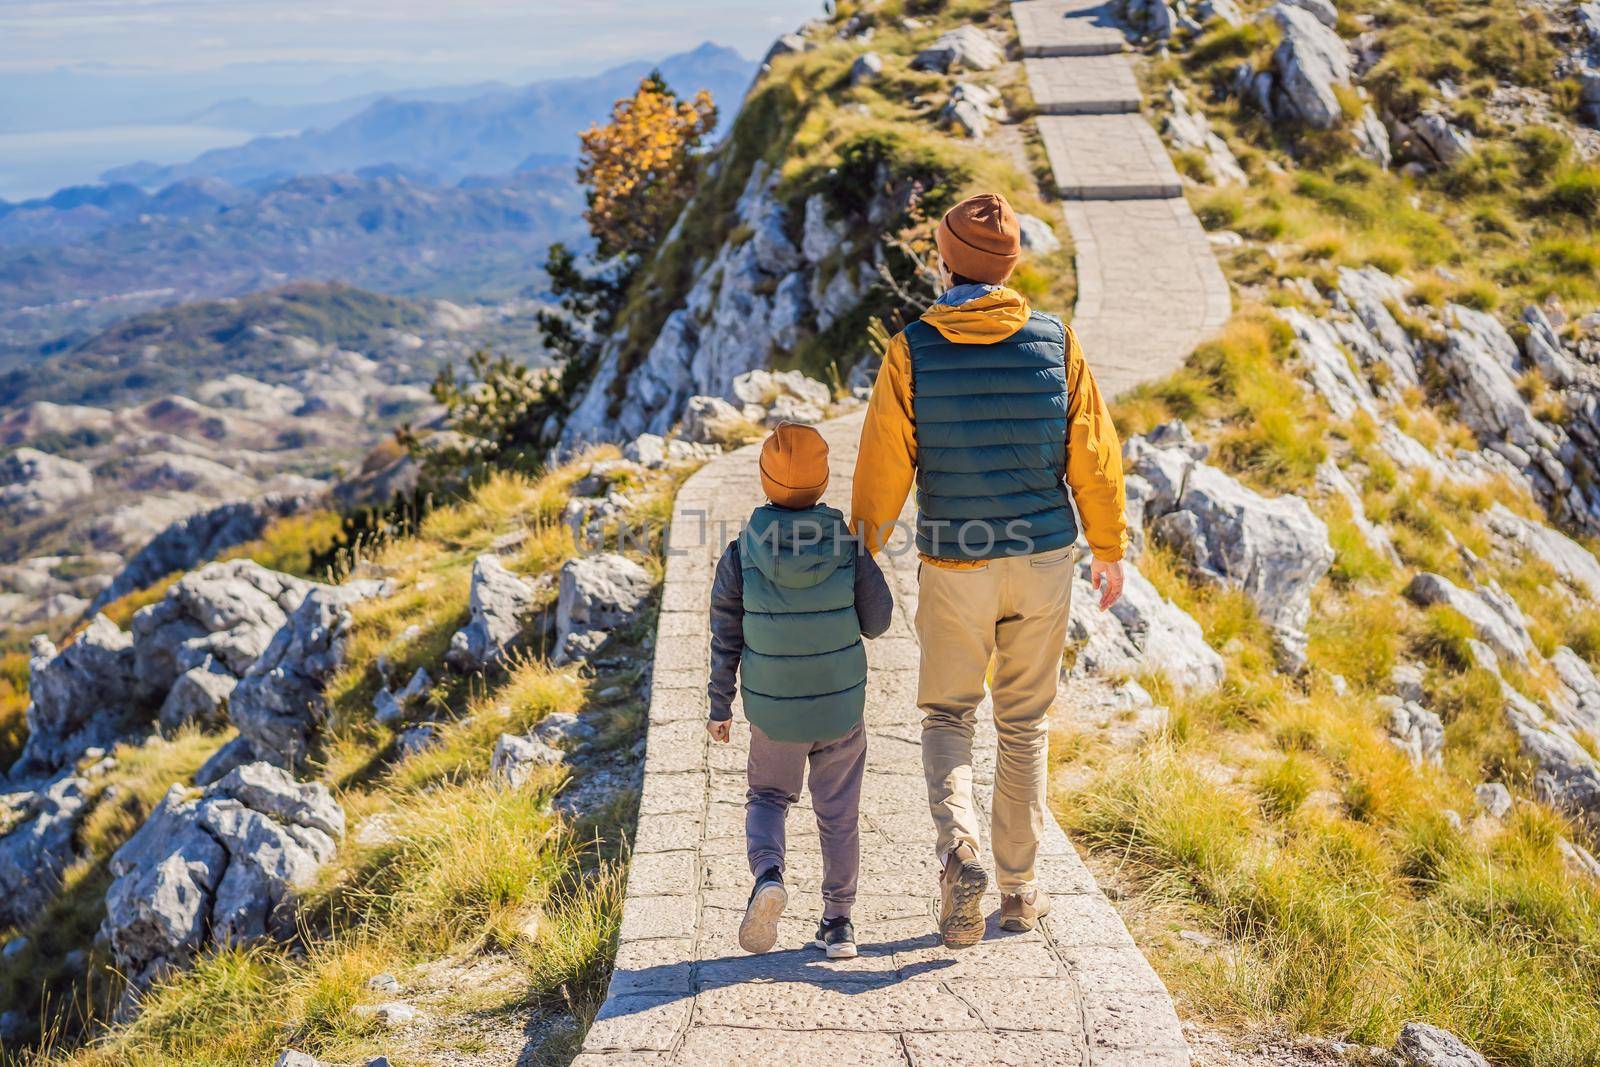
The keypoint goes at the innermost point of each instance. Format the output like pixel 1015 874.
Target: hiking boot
pixel 1020 912
pixel 961 887
pixel 759 930
pixel 836 937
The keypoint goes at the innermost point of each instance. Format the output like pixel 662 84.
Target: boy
pixel 792 598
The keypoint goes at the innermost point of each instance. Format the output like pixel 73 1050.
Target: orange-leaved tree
pixel 638 168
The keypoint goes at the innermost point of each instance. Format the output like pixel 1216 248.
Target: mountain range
pixel 492 133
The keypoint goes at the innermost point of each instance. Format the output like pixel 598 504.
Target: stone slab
pixel 1107 157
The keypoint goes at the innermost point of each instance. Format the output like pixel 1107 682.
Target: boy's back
pixel 792 598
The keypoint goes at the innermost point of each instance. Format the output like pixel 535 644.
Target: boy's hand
pixel 1106 577
pixel 719 729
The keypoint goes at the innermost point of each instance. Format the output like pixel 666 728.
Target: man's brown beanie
pixel 794 466
pixel 979 238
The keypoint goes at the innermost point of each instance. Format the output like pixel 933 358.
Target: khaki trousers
pixel 1014 611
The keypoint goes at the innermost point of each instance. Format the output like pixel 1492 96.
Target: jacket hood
pixel 984 320
pixel 795 549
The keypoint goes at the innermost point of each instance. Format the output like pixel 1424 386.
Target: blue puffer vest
pixel 991 426
pixel 803 672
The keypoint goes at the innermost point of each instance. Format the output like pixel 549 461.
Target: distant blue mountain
pixel 492 133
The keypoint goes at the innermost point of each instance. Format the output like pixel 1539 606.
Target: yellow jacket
pixel 887 462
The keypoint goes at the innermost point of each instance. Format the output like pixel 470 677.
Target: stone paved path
pixel 1077 992
pixel 1149 288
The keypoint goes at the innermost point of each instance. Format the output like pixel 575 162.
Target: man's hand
pixel 719 729
pixel 1106 577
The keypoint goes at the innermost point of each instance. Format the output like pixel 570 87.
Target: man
pixel 988 406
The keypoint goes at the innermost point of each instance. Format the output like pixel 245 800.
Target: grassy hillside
pixel 494 909
pixel 860 144
pixel 1347 892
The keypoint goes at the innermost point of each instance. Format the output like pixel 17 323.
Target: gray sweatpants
pixel 776 771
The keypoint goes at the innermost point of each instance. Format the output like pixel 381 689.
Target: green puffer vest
pixel 803 672
pixel 991 427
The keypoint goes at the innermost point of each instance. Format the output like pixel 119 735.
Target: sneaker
pixel 836 937
pixel 1020 912
pixel 961 886
pixel 759 930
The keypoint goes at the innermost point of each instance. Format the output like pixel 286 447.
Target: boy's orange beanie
pixel 794 466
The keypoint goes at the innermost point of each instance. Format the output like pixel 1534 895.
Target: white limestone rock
pixel 1328 366
pixel 866 68
pixel 278 706
pixel 1321 10
pixel 1446 142
pixel 1331 480
pixel 1425 1045
pixel 598 594
pixel 1143 631
pixel 515 758
pixel 1576 565
pixel 1545 350
pixel 81 697
pixel 218 867
pixel 1190 130
pixel 1494 798
pixel 190 541
pixel 1494 616
pixel 226 612
pixel 1415 730
pixel 964 48
pixel 1568 777
pixel 1273 548
pixel 764 387
pixel 1372 138
pixel 498 602
pixel 1308 63
pixel 39 846
pixel 709 419
pixel 1038 236
pixel 392 706
pixel 1365 295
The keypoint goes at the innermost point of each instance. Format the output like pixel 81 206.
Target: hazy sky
pixel 415 40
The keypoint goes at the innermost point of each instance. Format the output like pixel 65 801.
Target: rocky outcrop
pixel 218 867
pixel 1143 632
pixel 655 452
pixel 598 594
pixel 1334 482
pixel 193 645
pixel 278 706
pixel 38 847
pixel 81 697
pixel 1273 548
pixel 33 483
pixel 1190 131
pixel 1309 62
pixel 1415 730
pixel 964 48
pixel 972 107
pixel 515 758
pixel 1425 1045
pixel 193 540
pixel 1496 619
pixel 1484 368
pixel 1521 537
pixel 1576 697
pixel 498 602
pixel 1567 776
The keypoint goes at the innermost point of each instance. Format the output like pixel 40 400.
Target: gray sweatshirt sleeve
pixel 874 602
pixel 727 633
